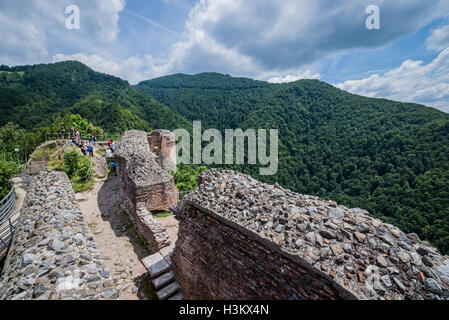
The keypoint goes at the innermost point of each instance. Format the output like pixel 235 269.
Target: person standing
pixel 90 149
pixel 93 139
pixel 62 132
pixel 72 133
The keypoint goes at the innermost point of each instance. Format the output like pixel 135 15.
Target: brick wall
pixel 241 239
pixel 215 260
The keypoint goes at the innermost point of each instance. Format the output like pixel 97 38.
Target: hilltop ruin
pixel 144 186
pixel 242 239
pixel 238 238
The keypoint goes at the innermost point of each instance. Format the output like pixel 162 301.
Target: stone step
pixel 177 296
pixel 168 291
pixel 163 280
pixel 156 265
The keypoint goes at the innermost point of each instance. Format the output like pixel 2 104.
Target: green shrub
pixel 71 161
pixel 8 169
pixel 186 176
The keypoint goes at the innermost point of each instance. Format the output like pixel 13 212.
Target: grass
pixel 81 186
pixel 100 152
pixel 55 164
pixel 146 287
pixel 161 214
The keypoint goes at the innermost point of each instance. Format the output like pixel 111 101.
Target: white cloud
pixel 294 77
pixel 413 81
pixel 439 39
pixel 278 40
pixel 280 34
pixel 134 69
pixel 30 31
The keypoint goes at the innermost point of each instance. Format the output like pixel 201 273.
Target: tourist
pixel 113 146
pixel 93 139
pixel 62 132
pixel 83 148
pixel 108 153
pixel 75 142
pixel 90 149
pixel 72 133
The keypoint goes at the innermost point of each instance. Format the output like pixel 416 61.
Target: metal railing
pixel 7 205
pixel 6 234
pixel 85 137
pixel 6 209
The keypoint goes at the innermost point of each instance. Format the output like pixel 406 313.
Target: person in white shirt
pixel 108 153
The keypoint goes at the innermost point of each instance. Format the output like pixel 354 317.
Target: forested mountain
pixel 33 96
pixel 219 101
pixel 388 157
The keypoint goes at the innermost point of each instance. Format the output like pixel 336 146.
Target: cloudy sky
pixel 407 59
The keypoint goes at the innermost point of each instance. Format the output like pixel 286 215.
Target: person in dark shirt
pixel 63 132
pixel 83 148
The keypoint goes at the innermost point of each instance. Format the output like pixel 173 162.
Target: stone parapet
pixel 53 255
pixel 242 239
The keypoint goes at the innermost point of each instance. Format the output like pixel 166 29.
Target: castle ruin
pixel 144 186
pixel 242 239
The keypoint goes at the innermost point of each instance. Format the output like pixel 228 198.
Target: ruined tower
pixel 163 144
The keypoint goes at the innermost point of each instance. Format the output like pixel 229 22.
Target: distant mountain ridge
pixel 388 157
pixel 33 96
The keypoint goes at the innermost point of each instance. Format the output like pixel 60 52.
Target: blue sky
pixel 407 59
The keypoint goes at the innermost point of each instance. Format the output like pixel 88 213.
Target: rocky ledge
pixel 53 255
pixel 369 258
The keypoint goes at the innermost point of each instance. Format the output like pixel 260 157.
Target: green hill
pixel 388 157
pixel 33 96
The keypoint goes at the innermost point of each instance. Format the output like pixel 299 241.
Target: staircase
pixel 162 277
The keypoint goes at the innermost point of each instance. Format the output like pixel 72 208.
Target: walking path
pixel 118 240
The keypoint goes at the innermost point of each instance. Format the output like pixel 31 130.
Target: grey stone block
pixel 177 296
pixel 163 280
pixel 156 265
pixel 168 291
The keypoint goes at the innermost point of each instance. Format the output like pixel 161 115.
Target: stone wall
pixel 242 239
pixel 144 186
pixel 53 255
pixel 163 144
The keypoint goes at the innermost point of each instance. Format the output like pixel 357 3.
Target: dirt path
pixel 117 239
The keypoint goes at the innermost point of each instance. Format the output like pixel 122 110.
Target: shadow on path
pixel 119 221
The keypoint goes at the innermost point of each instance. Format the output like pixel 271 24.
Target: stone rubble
pixel 369 258
pixel 53 255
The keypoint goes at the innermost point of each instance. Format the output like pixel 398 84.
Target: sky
pixel 405 59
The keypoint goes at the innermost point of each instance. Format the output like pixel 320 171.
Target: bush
pixel 186 176
pixel 71 162
pixel 84 167
pixel 8 169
